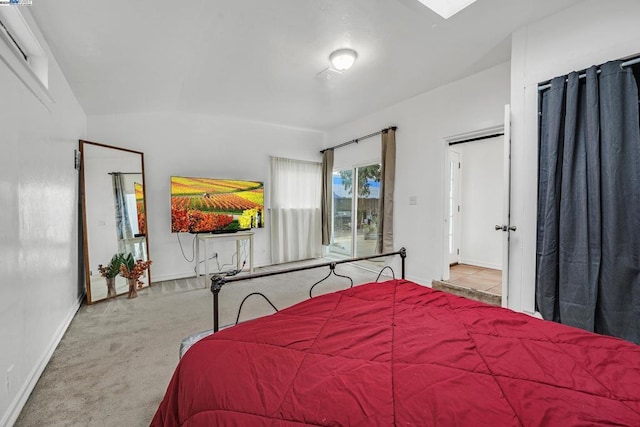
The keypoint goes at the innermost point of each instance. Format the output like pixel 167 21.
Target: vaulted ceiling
pixel 263 59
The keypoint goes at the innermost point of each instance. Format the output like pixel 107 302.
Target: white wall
pixel 423 124
pixel 481 202
pixel 39 291
pixel 199 146
pixel 590 33
pixel 363 153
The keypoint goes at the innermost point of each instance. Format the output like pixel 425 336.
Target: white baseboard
pixel 189 274
pixel 173 276
pixel 419 280
pixel 18 403
pixel 479 263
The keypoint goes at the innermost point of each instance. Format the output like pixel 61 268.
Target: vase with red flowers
pixel 109 272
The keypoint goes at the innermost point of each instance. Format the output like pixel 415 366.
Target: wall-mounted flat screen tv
pixel 207 205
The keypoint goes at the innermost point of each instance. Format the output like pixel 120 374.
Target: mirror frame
pixel 85 242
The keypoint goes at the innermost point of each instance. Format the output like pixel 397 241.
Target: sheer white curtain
pixel 296 230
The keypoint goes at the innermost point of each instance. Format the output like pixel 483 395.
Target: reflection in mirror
pixel 114 216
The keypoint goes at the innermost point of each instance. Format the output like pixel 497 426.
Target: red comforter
pixel 397 353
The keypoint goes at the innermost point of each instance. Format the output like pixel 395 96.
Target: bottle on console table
pixel 259 219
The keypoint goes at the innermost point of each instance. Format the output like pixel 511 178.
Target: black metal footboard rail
pixel 218 280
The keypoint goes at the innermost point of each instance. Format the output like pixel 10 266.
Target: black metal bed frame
pixel 219 280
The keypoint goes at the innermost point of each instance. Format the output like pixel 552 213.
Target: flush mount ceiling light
pixel 343 59
pixel 446 8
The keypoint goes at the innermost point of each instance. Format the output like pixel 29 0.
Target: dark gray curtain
pixel 588 241
pixel 327 195
pixel 123 225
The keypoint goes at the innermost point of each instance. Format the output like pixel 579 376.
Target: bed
pixel 398 353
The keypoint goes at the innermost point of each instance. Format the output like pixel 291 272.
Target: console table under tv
pixel 237 236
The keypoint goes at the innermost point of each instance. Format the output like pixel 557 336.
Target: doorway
pixel 356 199
pixel 474 250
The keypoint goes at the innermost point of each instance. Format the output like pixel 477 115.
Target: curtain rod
pixel 355 141
pixel 546 85
pixel 479 138
pixel 310 162
pixel 124 173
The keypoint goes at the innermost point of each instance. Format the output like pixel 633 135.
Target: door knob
pixel 512 228
pixel 501 228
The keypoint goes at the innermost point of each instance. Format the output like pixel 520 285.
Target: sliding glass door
pixel 355 219
pixel 342 239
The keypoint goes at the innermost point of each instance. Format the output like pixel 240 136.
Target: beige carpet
pixel 115 361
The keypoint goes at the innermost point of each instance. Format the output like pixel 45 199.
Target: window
pixel 8 35
pixel 21 51
pixel 295 210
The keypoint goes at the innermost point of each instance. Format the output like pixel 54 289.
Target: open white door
pixel 506 228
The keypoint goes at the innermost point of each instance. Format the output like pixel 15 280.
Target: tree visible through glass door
pixel 356 234
pixel 342 242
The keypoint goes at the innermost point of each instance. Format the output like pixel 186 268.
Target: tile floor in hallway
pixel 482 279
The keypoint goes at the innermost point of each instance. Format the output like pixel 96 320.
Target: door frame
pixel 456 214
pixel 447 141
pixel 506 205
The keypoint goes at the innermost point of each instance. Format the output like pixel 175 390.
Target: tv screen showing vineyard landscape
pixel 206 205
pixel 142 219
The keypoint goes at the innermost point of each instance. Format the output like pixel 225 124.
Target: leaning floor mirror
pixel 114 217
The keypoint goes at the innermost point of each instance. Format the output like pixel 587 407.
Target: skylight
pixel 446 8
